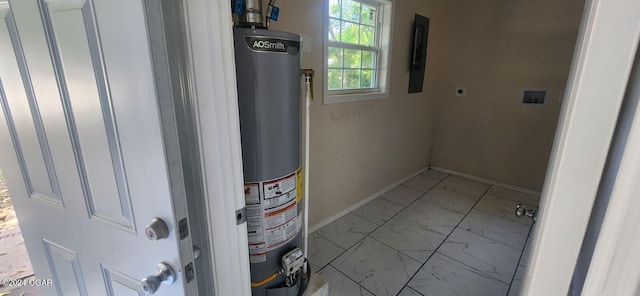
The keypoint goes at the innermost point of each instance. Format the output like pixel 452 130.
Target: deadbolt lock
pixel 157 229
pixel 164 274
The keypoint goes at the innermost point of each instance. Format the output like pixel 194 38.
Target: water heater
pixel 268 77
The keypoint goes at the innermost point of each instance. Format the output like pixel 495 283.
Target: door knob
pixel 156 229
pixel 164 274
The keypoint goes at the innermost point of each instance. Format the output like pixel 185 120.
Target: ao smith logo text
pixel 266 44
pixel 273 45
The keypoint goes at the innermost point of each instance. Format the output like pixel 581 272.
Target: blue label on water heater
pixel 275 12
pixel 237 6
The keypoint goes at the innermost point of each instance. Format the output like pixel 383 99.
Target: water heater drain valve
pixel 292 262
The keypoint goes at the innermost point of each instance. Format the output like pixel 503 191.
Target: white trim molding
pixel 615 264
pixel 210 31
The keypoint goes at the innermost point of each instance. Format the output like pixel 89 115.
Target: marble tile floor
pixel 434 235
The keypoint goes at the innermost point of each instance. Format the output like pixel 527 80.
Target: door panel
pixel 65 269
pixel 80 129
pixel 25 122
pixel 90 104
pixel 120 284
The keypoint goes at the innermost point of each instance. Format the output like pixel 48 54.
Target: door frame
pixel 210 40
pixel 602 61
pixel 614 267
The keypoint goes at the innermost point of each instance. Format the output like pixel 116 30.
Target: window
pixel 356 52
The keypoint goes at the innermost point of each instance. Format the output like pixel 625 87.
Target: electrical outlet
pixel 461 91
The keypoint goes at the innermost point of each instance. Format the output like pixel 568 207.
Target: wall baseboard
pixel 485 180
pixel 435 168
pixel 364 201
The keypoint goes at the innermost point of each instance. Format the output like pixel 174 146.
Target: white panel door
pixel 82 147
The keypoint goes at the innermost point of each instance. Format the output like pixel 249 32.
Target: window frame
pixel 382 48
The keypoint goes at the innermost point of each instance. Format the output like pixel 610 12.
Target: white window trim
pixel 382 74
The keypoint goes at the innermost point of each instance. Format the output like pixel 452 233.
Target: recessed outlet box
pixel 534 96
pixel 461 91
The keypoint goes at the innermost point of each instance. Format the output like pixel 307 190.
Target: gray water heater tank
pixel 268 77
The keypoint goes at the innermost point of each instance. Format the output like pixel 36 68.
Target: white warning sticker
pixel 280 186
pixel 279 200
pixel 277 216
pixel 281 224
pixel 255 229
pixel 257 253
pixel 252 193
pixel 255 223
pixel 282 234
pixel 272 215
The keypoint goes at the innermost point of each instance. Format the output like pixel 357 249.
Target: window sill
pixel 353 97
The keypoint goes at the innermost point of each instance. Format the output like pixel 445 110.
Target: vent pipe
pixel 252 14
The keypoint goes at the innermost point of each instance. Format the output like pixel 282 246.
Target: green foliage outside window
pixel 352 52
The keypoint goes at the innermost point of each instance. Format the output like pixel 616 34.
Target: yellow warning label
pixel 299 184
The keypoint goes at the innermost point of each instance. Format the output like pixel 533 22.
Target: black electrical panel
pixel 419 53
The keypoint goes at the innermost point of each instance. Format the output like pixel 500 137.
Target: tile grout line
pixel 495 241
pixel 446 236
pixel 479 271
pixel 468 212
pixel 457 227
pixel 374 230
pixel 521 251
pixel 420 226
pixel 336 256
pixel 414 274
pixel 412 289
pixel 495 215
pixel 520 259
pixel 473 269
pixel 340 271
pixel 436 251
